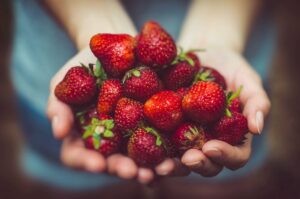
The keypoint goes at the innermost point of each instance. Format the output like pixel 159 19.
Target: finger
pixel 75 155
pixel 122 166
pixel 199 163
pixel 61 117
pixel 172 167
pixel 255 100
pixel 145 175
pixel 232 157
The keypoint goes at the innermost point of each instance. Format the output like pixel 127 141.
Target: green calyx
pixel 135 72
pixel 99 129
pixel 192 133
pixel 97 71
pixel 158 141
pixel 182 56
pixel 231 96
pixel 203 75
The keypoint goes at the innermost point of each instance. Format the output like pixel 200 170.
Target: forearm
pixel 222 23
pixel 82 19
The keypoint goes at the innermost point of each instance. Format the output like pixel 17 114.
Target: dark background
pixel 278 178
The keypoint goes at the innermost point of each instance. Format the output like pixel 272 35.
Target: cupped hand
pixel 216 154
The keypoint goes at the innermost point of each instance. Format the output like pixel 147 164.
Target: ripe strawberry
pixel 141 83
pixel 189 135
pixel 110 92
pixel 182 91
pixel 146 147
pixel 235 106
pixel 233 102
pixel 209 74
pixel 115 52
pixel 231 128
pixel 78 87
pixel 179 75
pixel 155 47
pixel 182 71
pixel 102 136
pixel 128 114
pixel 164 110
pixel 204 102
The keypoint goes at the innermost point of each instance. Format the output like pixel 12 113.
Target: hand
pixel 73 152
pixel 215 154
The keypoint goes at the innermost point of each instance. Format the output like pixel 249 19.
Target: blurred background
pixel 278 178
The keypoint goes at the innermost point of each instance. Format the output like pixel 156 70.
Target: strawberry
pixel 155 47
pixel 231 128
pixel 115 52
pixel 179 75
pixel 146 147
pixel 182 91
pixel 205 102
pixel 102 136
pixel 209 74
pixel 235 106
pixel 78 87
pixel 164 110
pixel 128 114
pixel 187 136
pixel 141 83
pixel 182 71
pixel 110 92
pixel 233 102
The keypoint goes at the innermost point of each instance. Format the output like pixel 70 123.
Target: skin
pixel 224 47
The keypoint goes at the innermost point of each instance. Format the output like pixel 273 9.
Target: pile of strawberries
pixel 144 99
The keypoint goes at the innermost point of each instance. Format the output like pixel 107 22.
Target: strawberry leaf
pixel 108 134
pixel 136 73
pixel 109 124
pixel 228 113
pixel 158 141
pixel 88 132
pixel 96 142
pixel 99 71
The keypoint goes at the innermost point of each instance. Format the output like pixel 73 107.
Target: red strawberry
pixel 189 135
pixel 115 52
pixel 110 92
pixel 209 74
pixel 233 102
pixel 235 106
pixel 155 47
pixel 205 102
pixel 146 147
pixel 163 110
pixel 78 86
pixel 182 91
pixel 231 128
pixel 141 83
pixel 102 136
pixel 128 114
pixel 179 75
pixel 182 71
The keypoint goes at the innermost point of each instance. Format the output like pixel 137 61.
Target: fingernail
pixel 93 165
pixel 259 120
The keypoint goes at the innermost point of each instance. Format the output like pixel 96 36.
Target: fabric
pixel 41 46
